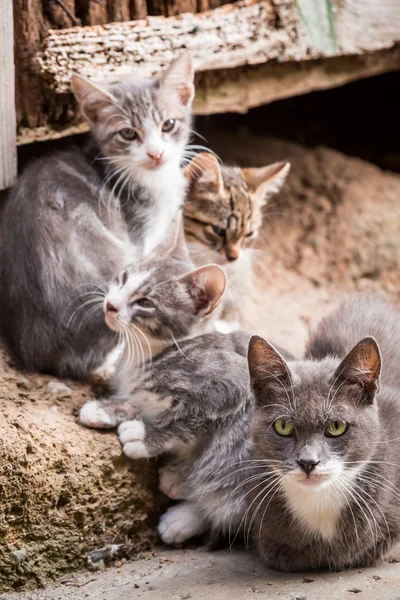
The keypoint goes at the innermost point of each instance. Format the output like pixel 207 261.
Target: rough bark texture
pixel 244 33
pixel 64 490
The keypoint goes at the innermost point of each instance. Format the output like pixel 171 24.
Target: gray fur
pixel 75 219
pixel 339 379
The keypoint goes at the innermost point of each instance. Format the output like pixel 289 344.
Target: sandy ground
pixel 223 575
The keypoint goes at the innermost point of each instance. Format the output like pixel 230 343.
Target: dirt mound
pixel 64 490
pixel 333 229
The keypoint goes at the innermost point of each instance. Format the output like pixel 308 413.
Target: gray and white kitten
pixel 192 400
pixel 327 432
pixel 76 218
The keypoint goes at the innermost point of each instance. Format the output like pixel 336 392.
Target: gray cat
pixel 326 433
pixel 75 219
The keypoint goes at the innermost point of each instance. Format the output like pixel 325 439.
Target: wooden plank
pixel 238 90
pixel 118 10
pixel 28 35
pixel 244 33
pixel 138 9
pixel 8 148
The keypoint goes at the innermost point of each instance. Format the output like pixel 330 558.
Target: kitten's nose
pixel 156 156
pixel 232 252
pixel 110 307
pixel 307 465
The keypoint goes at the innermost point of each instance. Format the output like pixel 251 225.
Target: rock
pixel 65 490
pixel 58 389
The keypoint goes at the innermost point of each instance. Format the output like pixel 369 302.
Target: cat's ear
pixel 206 285
pixel 362 366
pixel 204 170
pixel 95 103
pixel 268 369
pixel 266 181
pixel 177 80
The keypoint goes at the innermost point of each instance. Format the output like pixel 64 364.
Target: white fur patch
pixel 93 415
pixel 131 435
pixel 181 523
pixel 108 368
pixel 318 507
pixel 224 327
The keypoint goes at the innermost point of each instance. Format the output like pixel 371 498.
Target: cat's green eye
pixel 128 134
pixel 168 125
pixel 285 428
pixel 335 428
pixel 218 230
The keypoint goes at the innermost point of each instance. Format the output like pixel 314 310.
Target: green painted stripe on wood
pixel 319 19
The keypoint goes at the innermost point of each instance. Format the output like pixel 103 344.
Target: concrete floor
pixel 223 575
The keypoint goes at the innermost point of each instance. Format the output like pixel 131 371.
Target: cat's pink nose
pixel 156 156
pixel 110 307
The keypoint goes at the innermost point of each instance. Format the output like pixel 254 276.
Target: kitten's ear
pixel 178 79
pixel 362 366
pixel 94 101
pixel 266 181
pixel 268 369
pixel 206 285
pixel 204 170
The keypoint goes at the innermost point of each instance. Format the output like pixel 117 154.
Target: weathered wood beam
pixel 244 33
pixel 8 148
pixel 243 88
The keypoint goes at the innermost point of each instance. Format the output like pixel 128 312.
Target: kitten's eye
pixel 249 235
pixel 335 428
pixel 123 278
pixel 218 230
pixel 284 428
pixel 168 125
pixel 145 303
pixel 128 134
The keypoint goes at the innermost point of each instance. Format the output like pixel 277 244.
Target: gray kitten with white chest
pixel 75 219
pixel 192 401
pixel 327 429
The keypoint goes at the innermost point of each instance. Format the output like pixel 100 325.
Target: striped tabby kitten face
pixel 142 126
pixel 223 212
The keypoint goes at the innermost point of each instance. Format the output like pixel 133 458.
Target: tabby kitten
pixel 223 217
pixel 76 218
pixel 192 400
pixel 327 429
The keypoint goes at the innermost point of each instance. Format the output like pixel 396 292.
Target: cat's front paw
pixel 180 523
pixel 94 415
pixel 171 484
pixel 131 435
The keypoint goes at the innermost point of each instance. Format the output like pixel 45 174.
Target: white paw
pixel 131 435
pixel 93 415
pixel 171 484
pixel 180 523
